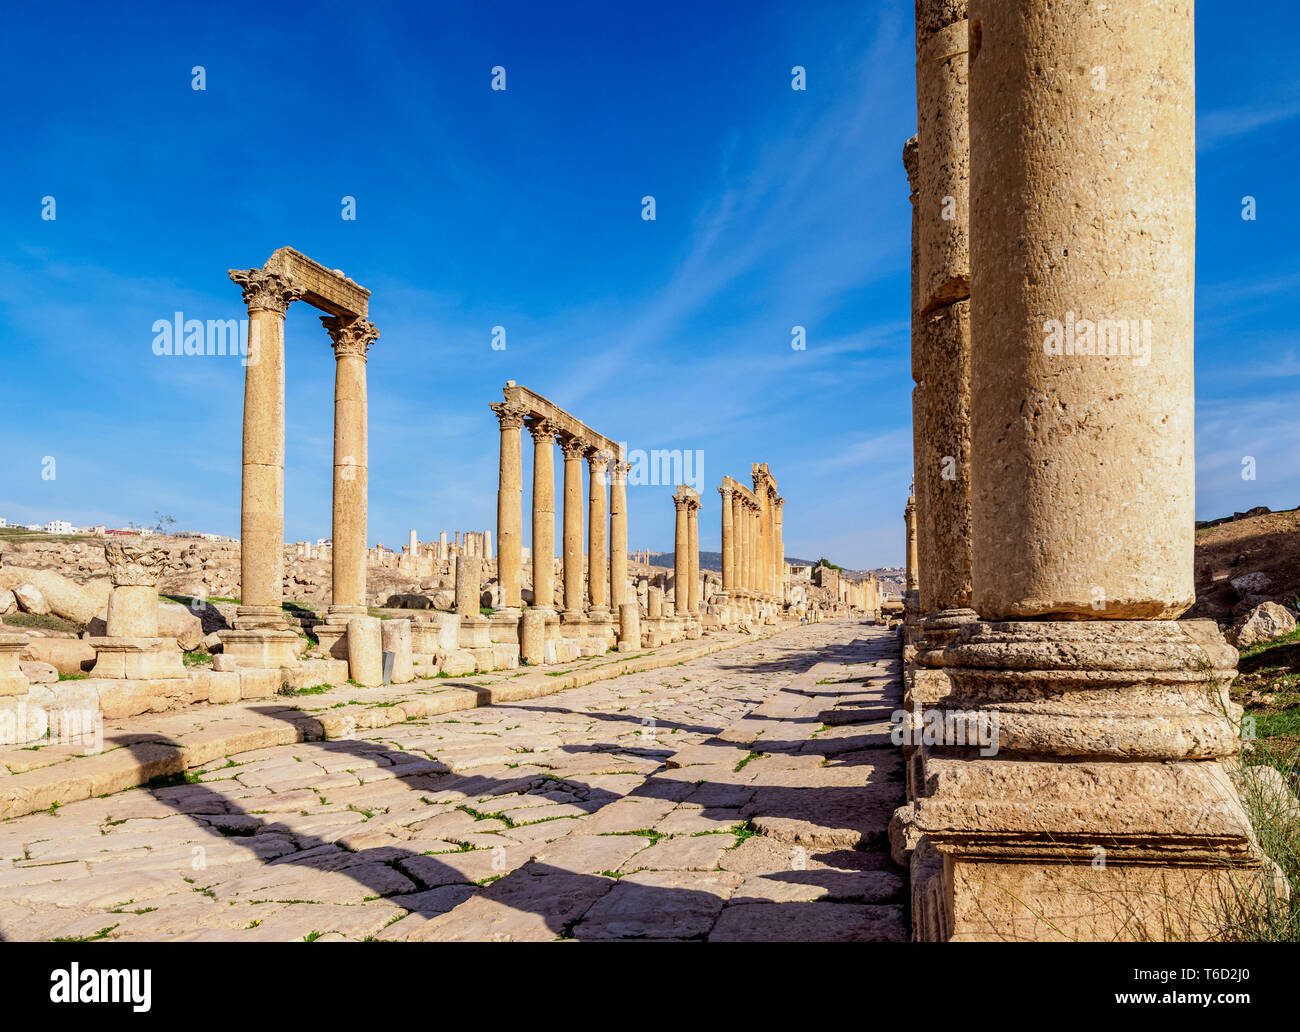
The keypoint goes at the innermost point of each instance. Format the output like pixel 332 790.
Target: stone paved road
pixel 741 796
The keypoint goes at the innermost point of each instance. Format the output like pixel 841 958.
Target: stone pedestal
pixel 365 651
pixel 12 679
pixel 629 627
pixel 396 638
pixel 468 595
pixel 137 659
pixel 262 647
pixel 532 637
pixel 475 632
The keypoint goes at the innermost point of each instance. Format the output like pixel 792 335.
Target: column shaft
pixel 693 555
pixel 543 512
pixel 261 555
pixel 573 450
pixel 618 536
pixel 509 507
pixel 728 542
pixel 597 535
pixel 681 560
pixel 352 338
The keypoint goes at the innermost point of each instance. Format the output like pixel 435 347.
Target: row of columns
pixel 1045 578
pixel 606 565
pixel 753 551
pixel 686 552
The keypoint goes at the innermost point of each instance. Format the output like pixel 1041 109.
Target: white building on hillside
pixel 58 527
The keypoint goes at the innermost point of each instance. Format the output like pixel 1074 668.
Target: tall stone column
pixel 543 512
pixel 760 539
pixel 352 338
pixel 780 547
pixel 261 536
pixel 1098 806
pixel 597 533
pixel 618 536
pixel 509 507
pixel 728 541
pixel 745 532
pixel 681 558
pixel 573 448
pixel 693 555
pixel 941 342
pixel 737 542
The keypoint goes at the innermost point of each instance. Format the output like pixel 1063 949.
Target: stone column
pixel 746 538
pixel 693 554
pixel 728 541
pixel 413 545
pixel 509 506
pixel 760 538
pixel 442 535
pixel 941 342
pixel 573 448
pixel 351 338
pixel 487 544
pixel 629 627
pixel 618 536
pixel 543 512
pixel 911 584
pixel 597 533
pixel 1101 807
pixel 468 581
pixel 261 536
pixel 681 558
pixel 779 513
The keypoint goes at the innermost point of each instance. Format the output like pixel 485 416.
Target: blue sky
pixel 522 208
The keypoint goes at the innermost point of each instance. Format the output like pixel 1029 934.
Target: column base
pixel 254 618
pixel 262 647
pixel 138 659
pixel 1071 777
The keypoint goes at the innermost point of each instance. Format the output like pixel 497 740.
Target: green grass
pixel 316 689
pixel 197 658
pixel 73 677
pixel 40 622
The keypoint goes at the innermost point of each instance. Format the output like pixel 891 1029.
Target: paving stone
pixel 809 922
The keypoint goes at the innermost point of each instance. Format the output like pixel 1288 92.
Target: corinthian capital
pixel 350 335
pixel 572 447
pixel 540 428
pixel 267 291
pixel 132 565
pixel 509 415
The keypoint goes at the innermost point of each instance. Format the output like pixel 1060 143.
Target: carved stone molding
pixel 350 336
pixel 540 428
pixel 134 565
pixel 267 291
pixel 572 447
pixel 510 416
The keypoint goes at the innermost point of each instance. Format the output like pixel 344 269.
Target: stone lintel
pixel 738 488
pixel 326 289
pixel 533 404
